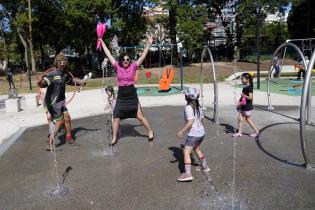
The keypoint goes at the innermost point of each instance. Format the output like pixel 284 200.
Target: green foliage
pixel 58 24
pixel 190 29
pixel 301 19
pixel 62 23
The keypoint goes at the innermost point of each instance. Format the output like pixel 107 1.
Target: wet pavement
pixel 245 174
pixel 2 103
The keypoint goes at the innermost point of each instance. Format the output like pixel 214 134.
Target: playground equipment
pixel 305 109
pixel 307 45
pixel 307 48
pixel 165 82
pixel 285 45
pixel 215 84
pixel 306 99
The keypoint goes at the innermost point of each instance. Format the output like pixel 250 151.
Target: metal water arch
pixel 271 65
pixel 306 105
pixel 305 99
pixel 215 84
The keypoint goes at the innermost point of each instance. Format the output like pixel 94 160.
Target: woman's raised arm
pixel 108 54
pixel 145 51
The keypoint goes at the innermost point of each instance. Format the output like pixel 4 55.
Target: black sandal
pixel 151 139
pixel 112 144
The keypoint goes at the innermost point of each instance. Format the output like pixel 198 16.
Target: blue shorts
pixel 193 141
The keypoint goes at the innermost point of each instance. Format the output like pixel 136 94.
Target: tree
pixel 301 19
pixel 3 54
pixel 132 23
pixel 16 14
pixel 243 15
pixel 190 29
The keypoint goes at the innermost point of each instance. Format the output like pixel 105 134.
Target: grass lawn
pixel 286 86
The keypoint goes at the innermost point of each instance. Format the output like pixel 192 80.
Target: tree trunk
pixel 25 51
pixel 172 24
pixel 42 57
pixel 28 72
pixel 6 54
pixel 30 40
pixel 32 57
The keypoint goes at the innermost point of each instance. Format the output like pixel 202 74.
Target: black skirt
pixel 127 103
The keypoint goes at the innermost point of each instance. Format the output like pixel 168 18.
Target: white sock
pixel 188 168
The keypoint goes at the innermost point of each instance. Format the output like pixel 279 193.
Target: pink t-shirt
pixel 126 77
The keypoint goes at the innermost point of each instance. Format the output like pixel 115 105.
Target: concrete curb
pixel 7 144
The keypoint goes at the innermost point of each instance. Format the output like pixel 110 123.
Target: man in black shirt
pixel 55 81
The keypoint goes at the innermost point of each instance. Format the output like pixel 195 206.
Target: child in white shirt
pixel 196 133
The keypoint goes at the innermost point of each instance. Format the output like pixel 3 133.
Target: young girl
pixel 245 106
pixel 196 132
pixel 111 98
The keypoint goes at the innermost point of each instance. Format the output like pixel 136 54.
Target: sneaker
pixel 204 169
pixel 71 142
pixel 69 138
pixel 184 177
pixel 237 135
pixel 254 135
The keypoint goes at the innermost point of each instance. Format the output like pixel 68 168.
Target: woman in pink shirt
pixel 127 104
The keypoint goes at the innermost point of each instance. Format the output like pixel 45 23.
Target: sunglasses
pixel 126 59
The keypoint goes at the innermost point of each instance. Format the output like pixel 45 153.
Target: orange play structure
pixel 165 82
pixel 297 67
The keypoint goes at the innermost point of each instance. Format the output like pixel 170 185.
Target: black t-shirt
pixel 10 72
pixel 249 103
pixel 56 81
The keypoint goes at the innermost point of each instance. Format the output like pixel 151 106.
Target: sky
pixel 276 17
pixel 5 23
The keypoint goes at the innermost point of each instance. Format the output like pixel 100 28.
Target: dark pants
pixel 10 80
pixel 301 72
pixel 277 71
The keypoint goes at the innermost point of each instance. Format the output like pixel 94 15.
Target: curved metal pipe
pixel 306 97
pixel 283 56
pixel 271 69
pixel 216 105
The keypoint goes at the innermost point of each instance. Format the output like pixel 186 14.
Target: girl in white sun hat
pixel 194 125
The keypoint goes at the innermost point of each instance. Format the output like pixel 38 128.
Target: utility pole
pixel 30 42
pixel 258 42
